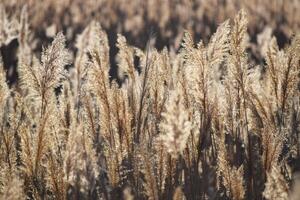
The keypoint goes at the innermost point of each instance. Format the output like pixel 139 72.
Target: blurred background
pixel 166 20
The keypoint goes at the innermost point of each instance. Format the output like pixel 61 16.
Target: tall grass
pixel 200 123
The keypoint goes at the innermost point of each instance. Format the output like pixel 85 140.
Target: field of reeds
pixel 150 99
